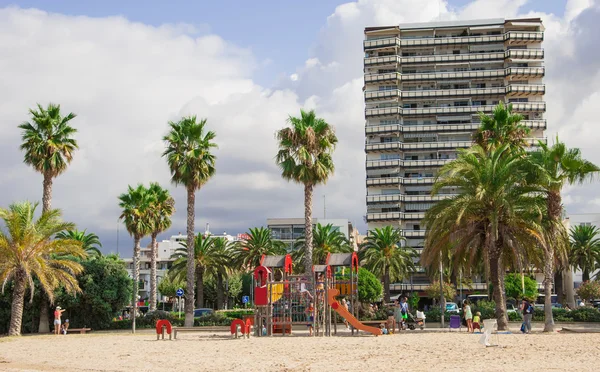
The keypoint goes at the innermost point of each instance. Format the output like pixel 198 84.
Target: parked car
pixel 510 308
pixel 452 307
pixel 203 311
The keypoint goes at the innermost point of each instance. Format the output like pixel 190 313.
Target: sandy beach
pixel 415 351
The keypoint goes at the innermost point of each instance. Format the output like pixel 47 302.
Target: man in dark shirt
pixel 527 311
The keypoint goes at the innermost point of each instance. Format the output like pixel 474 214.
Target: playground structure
pixel 283 300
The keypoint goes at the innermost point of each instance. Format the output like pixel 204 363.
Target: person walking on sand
pixel 57 314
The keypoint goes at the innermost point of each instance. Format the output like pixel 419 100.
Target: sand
pixel 411 351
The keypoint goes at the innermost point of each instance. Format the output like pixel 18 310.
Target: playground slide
pixel 346 314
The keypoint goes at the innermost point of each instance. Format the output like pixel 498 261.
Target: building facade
pixel 289 230
pixel 425 85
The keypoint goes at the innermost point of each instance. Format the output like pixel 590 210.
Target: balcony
pixel 396 198
pixel 523 54
pixel 414 233
pixel 513 89
pixel 384 181
pixel 513 37
pixel 509 72
pixel 375 164
pixel 529 106
pixel 525 89
pixel 538 106
pixel 394 216
pixel 395 146
pixel 534 124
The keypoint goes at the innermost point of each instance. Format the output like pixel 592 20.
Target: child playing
pixel 384 331
pixel 311 318
pixel 477 321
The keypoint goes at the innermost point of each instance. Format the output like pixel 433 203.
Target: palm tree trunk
pixel 497 279
pixel 386 285
pixel 47 195
pixel 153 252
pixel 44 324
pixel 585 276
pixel 220 291
pixel 548 275
pixel 199 288
pixel 308 233
pixel 16 311
pixel 189 297
pixel 136 280
pixel 554 213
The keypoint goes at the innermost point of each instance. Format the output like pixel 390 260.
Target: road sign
pixel 179 292
pixel 245 299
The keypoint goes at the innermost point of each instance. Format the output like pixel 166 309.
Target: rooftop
pixel 458 23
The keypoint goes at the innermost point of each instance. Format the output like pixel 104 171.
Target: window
pixel 585 224
pixel 456 52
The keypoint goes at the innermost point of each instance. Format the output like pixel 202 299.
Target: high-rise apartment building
pixel 424 87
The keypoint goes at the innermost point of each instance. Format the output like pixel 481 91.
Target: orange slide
pixel 346 314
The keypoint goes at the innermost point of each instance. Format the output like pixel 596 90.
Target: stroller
pixel 416 321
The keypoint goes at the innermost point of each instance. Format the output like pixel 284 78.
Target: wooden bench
pixel 80 330
pixel 197 329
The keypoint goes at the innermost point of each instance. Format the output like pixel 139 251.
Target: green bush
pixel 369 287
pixel 236 313
pixel 486 308
pixel 585 314
pixel 214 319
pixel 433 315
pixel 515 317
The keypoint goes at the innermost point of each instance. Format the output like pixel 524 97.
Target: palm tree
pixel 27 252
pixel 162 207
pixel 135 204
pixel 383 255
pixel 326 240
pixel 89 241
pixel 585 249
pixel 305 156
pixel 557 166
pixel 48 145
pixel 191 164
pixel 247 253
pixel 496 217
pixel 502 127
pixel 205 255
pixel 222 269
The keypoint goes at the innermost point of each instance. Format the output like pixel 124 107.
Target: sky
pixel 127 68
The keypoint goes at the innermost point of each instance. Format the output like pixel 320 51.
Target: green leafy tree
pixel 49 145
pixel 160 210
pixel 247 253
pixel 191 162
pixel 325 240
pixel 134 205
pixel 589 290
pixel 27 252
pixel 495 218
pixel 585 249
pixel 105 290
pixel 382 255
pixel 513 286
pixel 206 255
pixel 89 241
pixel 433 291
pixel 557 166
pixel 305 157
pixel 369 287
pixel 168 287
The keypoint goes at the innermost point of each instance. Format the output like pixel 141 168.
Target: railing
pixel 517 106
pixel 537 53
pixel 468 92
pixel 406 163
pixel 379 181
pixel 441 75
pixel 389 146
pixel 406 198
pixel 413 233
pixel 389 216
pixel 510 36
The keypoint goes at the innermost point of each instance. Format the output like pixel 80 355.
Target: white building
pixel 425 85
pixel 166 248
pixel 289 230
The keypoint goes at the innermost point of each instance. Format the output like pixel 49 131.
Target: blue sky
pixel 250 24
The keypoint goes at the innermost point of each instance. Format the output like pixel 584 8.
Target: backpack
pixel 530 309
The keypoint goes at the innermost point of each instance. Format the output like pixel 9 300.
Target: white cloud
pixel 125 80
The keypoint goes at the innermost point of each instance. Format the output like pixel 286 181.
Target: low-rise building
pixel 289 230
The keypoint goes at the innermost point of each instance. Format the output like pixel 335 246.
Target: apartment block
pixel 425 85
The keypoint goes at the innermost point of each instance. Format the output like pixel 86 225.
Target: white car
pixel 452 307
